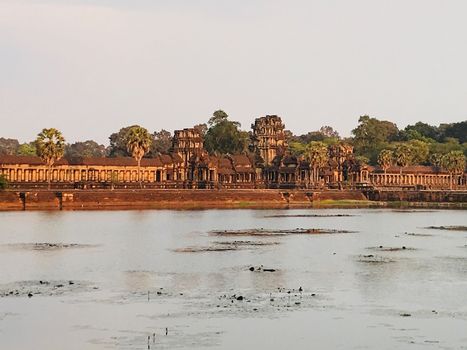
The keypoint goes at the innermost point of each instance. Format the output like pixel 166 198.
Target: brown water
pixel 391 283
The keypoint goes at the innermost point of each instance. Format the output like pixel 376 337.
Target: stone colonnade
pixel 31 173
pixel 381 179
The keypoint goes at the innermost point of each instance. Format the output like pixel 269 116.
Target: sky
pixel 90 67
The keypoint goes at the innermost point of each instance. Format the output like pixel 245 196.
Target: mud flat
pixel 273 232
pixel 224 246
pixel 44 288
pixel 414 234
pixel 448 228
pixel 47 246
pixel 391 249
pixel 374 259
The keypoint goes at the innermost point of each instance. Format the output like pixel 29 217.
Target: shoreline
pixel 170 199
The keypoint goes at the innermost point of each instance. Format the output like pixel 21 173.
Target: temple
pixel 269 164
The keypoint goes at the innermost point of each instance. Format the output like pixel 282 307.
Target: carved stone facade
pixel 269 138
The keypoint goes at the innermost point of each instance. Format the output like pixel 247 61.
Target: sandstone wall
pixel 176 199
pixel 194 199
pixel 419 196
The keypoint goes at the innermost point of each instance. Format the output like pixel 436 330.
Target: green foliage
pixel 453 162
pixel 330 141
pixel 325 134
pixel 201 128
pixel 385 159
pixel 373 135
pixel 50 145
pixel 447 146
pixel 403 155
pixel 86 149
pixel 27 149
pixel 317 154
pixel 419 151
pixel 138 142
pixel 436 159
pixel 425 132
pixel 162 142
pixel 455 130
pixel 297 148
pixel 362 160
pixel 422 131
pixel 224 136
pixel 8 146
pixel 218 117
pixel 329 132
pixel 3 182
pixel 118 143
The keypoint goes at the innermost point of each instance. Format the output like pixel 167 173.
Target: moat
pixel 231 279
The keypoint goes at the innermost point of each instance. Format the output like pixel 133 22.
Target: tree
pixel 162 142
pixel 385 160
pixel 328 131
pixel 118 143
pixel 449 144
pixel 454 163
pixel 3 182
pixel 224 136
pixel 27 149
pixel 86 149
pixel 373 135
pixel 8 146
pixel 50 147
pixel 317 154
pixel 202 129
pixel 422 130
pixel 218 117
pixel 403 155
pixel 436 159
pixel 455 130
pixel 139 142
pixel 326 134
pixel 297 148
pixel 362 161
pixel 419 151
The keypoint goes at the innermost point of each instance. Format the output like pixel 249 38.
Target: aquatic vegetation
pixel 448 228
pixel 391 249
pixel 276 232
pixel 47 246
pixel 224 246
pixel 44 288
pixel 373 259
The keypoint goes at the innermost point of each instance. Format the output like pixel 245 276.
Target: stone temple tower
pixel 187 143
pixel 269 137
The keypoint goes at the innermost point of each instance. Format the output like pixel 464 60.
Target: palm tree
pixel 454 163
pixel 50 147
pixel 138 142
pixel 385 160
pixel 403 156
pixel 317 154
pixel 435 159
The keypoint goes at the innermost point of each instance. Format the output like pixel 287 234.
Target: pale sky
pixel 90 67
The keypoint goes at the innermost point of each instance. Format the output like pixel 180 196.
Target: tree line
pixel 375 142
